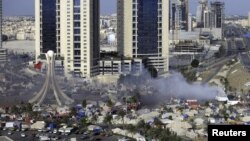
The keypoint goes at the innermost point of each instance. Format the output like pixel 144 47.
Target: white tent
pixel 38 125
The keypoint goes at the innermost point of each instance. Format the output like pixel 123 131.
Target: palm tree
pixel 94 118
pixel 108 119
pixel 84 103
pixel 131 128
pixel 15 109
pixel 122 114
pixel 143 127
pixel 110 103
pixel 141 124
pixel 84 122
pixel 166 135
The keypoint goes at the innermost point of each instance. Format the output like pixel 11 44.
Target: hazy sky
pixel 26 7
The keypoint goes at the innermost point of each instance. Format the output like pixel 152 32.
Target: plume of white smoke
pixel 176 86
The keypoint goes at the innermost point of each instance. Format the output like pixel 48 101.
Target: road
pixel 245 60
pixel 237 46
pixel 245 56
pixel 234 45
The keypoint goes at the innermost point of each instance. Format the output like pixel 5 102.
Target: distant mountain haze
pixel 26 7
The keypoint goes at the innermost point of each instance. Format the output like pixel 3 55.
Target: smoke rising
pixel 176 86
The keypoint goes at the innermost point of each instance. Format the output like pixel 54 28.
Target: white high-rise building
pixel 207 20
pixel 70 28
pixel 190 22
pixel 1 8
pixel 3 52
pixel 203 5
pixel 143 31
pixel 249 19
pixel 179 14
pixel 218 11
pixel 80 36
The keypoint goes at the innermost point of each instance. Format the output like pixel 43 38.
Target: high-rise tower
pixel 46 26
pixel 70 28
pixel 249 19
pixel 1 21
pixel 179 14
pixel 207 20
pixel 217 8
pixel 203 5
pixel 3 52
pixel 80 36
pixel 143 28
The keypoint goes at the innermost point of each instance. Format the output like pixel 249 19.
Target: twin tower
pixel 70 28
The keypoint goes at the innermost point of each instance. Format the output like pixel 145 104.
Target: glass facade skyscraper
pixel 71 29
pixel 1 21
pixel 48 25
pixel 147 27
pixel 143 28
pixel 3 52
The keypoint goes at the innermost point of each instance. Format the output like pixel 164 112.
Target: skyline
pixel 26 7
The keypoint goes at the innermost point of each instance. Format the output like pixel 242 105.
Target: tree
pixel 158 122
pixel 94 118
pixel 131 128
pixel 14 109
pixel 84 103
pixel 28 108
pixel 154 133
pixel 226 84
pixel 108 119
pixel 195 63
pixel 122 114
pixel 109 103
pixel 134 99
pixel 4 37
pixel 84 122
pixel 72 111
pixel 170 118
pixel 143 127
pixel 141 124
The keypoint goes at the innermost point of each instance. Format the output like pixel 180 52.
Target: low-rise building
pixel 119 66
pixel 3 55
